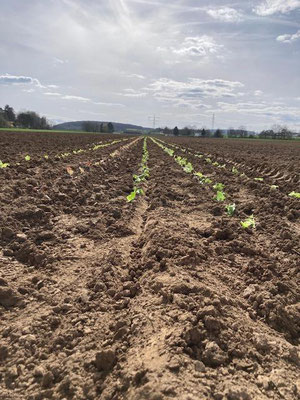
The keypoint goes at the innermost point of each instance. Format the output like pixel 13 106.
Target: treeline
pixel 25 119
pixel 103 127
pixel 276 132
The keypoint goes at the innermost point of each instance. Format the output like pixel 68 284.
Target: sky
pixel 127 60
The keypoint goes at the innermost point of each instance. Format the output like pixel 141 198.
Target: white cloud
pixel 289 38
pixel 198 46
pixel 270 7
pixel 8 79
pixel 52 94
pixel 136 76
pixel 133 93
pixel 258 93
pixel 225 14
pixel 192 92
pixel 79 98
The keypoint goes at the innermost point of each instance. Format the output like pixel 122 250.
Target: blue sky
pixel 124 60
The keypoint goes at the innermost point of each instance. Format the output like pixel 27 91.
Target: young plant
pixel 274 187
pixel 219 186
pixel 234 171
pixel 3 165
pixel 27 158
pixel 220 196
pixel 230 209
pixel 259 179
pixel 249 222
pixel 295 194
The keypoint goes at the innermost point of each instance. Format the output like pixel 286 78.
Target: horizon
pixel 127 60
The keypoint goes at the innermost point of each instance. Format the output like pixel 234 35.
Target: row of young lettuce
pixel 64 155
pixel 220 195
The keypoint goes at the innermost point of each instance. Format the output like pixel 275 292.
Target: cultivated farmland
pixel 148 268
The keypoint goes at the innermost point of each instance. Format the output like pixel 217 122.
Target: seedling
pixel 27 158
pixel 295 194
pixel 219 186
pixel 199 174
pixel 274 187
pixel 208 160
pixel 46 156
pixel 259 179
pixel 230 209
pixel 249 222
pixel 220 196
pixel 188 168
pixel 234 171
pixel 3 165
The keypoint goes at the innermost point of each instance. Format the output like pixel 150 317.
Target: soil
pixel 165 297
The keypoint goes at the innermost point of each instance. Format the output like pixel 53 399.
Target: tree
pixel 31 120
pixel 9 113
pixel 218 134
pixel 175 131
pixel 110 127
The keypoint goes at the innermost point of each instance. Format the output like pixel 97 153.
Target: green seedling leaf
pixel 259 179
pixel 249 222
pixel 27 158
pixel 234 171
pixel 220 196
pixel 207 180
pixel 3 165
pixel 140 191
pixel 131 196
pixel 219 186
pixel 274 187
pixel 230 209
pixel 295 194
pixel 208 160
pixel 199 174
pixel 46 156
pixel 215 164
pixel 188 168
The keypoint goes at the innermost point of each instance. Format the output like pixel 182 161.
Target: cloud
pixel 198 46
pixel 258 93
pixel 225 14
pixel 52 94
pixel 192 92
pixel 81 99
pixel 136 76
pixel 133 93
pixel 78 98
pixel 270 7
pixel 289 38
pixel 8 79
pixel 262 109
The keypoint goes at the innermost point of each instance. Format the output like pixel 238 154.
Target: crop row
pixel 218 187
pixel 208 159
pixel 28 158
pixel 139 179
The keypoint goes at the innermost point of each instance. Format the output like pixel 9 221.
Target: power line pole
pixel 213 122
pixel 153 119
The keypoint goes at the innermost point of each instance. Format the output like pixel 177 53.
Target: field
pixel 188 291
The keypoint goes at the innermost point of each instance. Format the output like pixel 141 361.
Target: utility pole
pixel 153 119
pixel 213 122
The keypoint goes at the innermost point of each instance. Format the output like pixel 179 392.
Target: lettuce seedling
pixel 3 165
pixel 199 174
pixel 27 158
pixel 259 179
pixel 230 209
pixel 188 168
pixel 295 194
pixel 220 196
pixel 274 187
pixel 234 171
pixel 219 186
pixel 208 160
pixel 249 222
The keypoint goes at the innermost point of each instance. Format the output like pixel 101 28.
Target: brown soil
pixel 162 298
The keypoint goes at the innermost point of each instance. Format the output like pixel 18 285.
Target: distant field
pixel 44 130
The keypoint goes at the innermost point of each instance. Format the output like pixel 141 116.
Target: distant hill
pixel 78 126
